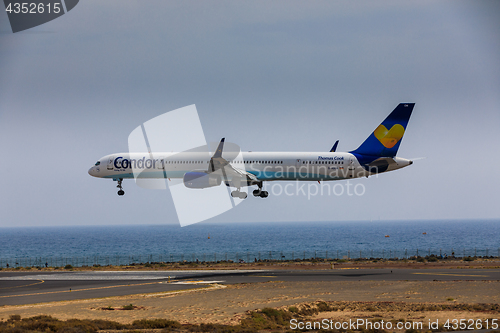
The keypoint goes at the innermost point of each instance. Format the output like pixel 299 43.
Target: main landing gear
pixel 259 193
pixel 120 191
pixel 238 194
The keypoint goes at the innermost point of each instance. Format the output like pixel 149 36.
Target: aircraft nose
pixel 93 171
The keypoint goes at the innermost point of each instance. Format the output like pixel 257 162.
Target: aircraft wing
pixel 220 165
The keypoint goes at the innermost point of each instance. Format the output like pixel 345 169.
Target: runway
pixel 17 288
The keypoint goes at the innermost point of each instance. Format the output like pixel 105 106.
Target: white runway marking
pixel 197 282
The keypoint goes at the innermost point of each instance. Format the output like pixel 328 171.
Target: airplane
pixel 377 154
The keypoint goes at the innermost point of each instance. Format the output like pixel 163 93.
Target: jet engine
pixel 201 179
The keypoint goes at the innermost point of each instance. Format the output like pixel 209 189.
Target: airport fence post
pixel 475 252
pixel 383 254
pixel 440 253
pixel 215 257
pixel 487 250
pixel 248 257
pixel 417 251
pixel 304 255
pixel 348 254
pixel 270 255
pixel 359 254
pixel 337 254
pixel 326 255
pixel 293 255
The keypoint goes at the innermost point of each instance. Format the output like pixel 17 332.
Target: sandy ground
pixel 299 265
pixel 227 304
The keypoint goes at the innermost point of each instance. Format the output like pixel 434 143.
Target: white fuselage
pixel 266 166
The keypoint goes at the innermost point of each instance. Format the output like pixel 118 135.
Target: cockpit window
pixel 97 163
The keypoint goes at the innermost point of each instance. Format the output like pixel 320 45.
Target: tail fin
pixel 385 140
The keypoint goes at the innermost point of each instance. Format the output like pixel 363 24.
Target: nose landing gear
pixel 120 191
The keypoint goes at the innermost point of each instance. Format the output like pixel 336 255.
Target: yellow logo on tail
pixel 389 138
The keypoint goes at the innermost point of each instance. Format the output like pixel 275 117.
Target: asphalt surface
pixel 18 288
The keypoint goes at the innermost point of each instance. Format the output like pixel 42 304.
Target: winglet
pixel 218 152
pixel 334 148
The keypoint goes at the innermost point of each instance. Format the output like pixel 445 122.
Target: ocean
pixel 87 245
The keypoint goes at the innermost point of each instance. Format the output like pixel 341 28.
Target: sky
pixel 267 75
